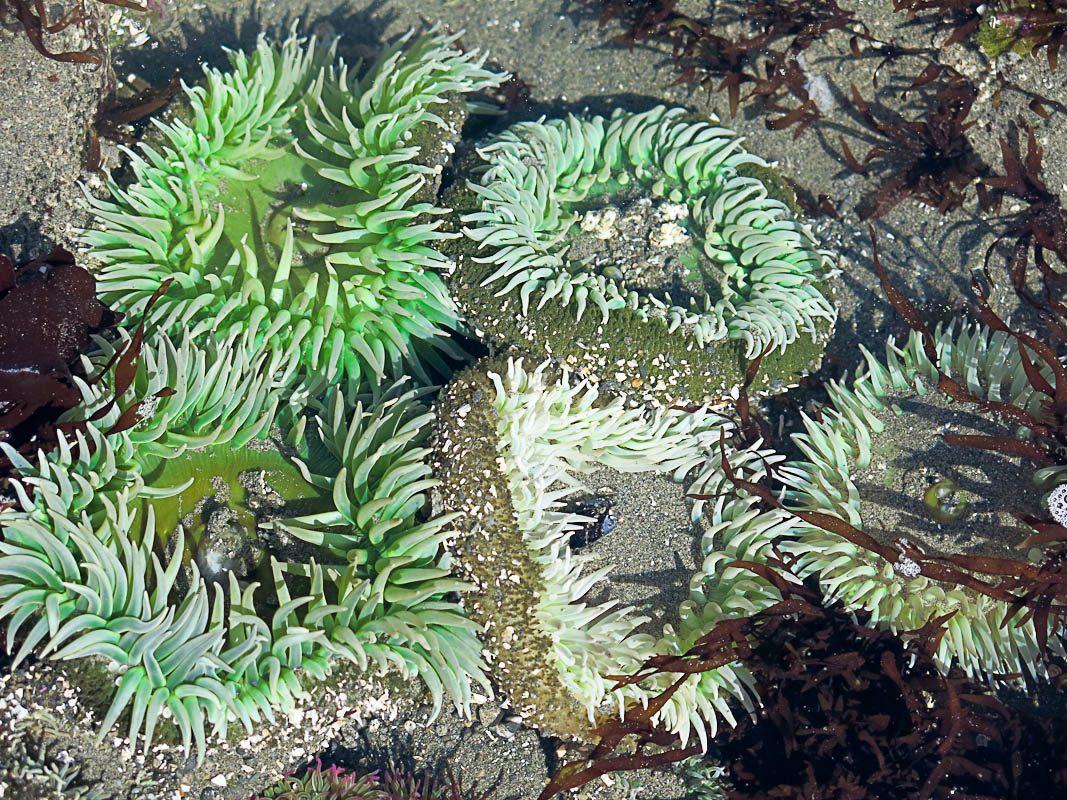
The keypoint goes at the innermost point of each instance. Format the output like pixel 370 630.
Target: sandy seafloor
pixel 557 50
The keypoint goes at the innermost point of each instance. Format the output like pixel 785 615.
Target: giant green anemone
pixel 512 447
pixel 874 458
pixel 291 197
pixel 211 566
pixel 659 231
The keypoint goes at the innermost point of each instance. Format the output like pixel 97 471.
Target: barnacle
pixel 512 445
pixel 116 553
pixel 856 469
pixel 714 263
pixel 291 190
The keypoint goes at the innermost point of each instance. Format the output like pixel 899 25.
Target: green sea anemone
pixel 512 446
pixel 292 199
pixel 874 458
pixel 657 226
pixel 211 565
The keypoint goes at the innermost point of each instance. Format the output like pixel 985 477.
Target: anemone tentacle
pixel 537 173
pixel 848 439
pixel 513 445
pixel 291 198
pixel 89 567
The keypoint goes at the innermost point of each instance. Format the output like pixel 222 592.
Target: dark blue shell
pixel 605 519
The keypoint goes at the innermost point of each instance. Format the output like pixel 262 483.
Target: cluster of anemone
pixel 291 198
pixel 245 504
pixel 851 459
pixel 108 526
pixel 512 446
pixel 742 268
pixel 242 505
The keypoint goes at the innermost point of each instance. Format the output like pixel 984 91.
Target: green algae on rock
pixel 511 446
pixel 290 189
pixel 210 600
pixel 642 249
pixel 874 458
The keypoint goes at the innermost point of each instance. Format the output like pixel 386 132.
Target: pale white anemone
pixel 551 433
